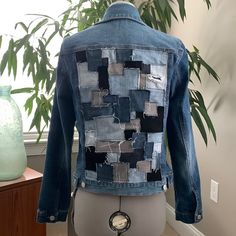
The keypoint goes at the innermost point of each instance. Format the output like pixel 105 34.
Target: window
pixel 14 11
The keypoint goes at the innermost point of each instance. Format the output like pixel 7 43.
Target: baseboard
pixel 181 228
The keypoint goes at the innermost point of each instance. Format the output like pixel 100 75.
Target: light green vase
pixel 13 160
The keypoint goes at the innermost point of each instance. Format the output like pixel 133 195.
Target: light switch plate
pixel 214 194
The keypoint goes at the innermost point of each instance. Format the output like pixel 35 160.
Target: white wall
pixel 214 33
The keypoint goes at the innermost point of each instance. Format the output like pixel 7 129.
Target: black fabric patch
pixel 103 81
pixel 104 172
pixel 92 158
pixel 105 61
pixel 123 55
pixel 81 56
pixel 154 176
pixel 91 112
pixel 151 123
pixel 133 64
pixel 129 133
pixel 122 110
pixel 146 69
pixel 94 58
pixel 132 157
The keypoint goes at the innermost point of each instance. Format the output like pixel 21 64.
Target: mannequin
pixel 92 211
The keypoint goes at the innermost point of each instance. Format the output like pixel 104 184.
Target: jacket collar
pixel 121 10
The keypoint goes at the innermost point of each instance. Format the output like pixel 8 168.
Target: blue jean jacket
pixel 124 86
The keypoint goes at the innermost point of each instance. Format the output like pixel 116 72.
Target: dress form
pixel 92 212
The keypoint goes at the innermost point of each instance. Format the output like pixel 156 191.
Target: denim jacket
pixel 124 86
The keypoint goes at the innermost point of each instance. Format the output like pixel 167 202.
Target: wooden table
pixel 18 205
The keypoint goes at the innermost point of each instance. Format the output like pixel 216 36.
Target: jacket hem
pixel 46 217
pixel 188 218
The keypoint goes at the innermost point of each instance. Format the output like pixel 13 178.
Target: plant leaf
pixel 206 117
pixel 39 25
pixel 22 24
pixel 4 62
pixel 182 9
pixel 23 90
pixel 197 119
pixel 0 41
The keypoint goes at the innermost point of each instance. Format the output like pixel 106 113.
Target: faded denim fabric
pixel 124 86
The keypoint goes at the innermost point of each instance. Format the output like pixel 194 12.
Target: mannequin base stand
pixel 93 211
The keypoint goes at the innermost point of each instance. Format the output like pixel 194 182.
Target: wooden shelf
pixel 18 205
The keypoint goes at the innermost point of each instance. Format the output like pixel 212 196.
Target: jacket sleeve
pixel 55 190
pixel 188 206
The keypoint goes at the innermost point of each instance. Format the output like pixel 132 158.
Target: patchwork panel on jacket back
pixel 122 98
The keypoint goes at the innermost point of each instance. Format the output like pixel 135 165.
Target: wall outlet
pixel 214 195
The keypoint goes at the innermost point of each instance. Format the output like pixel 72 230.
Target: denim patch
pixel 150 57
pixel 89 125
pixel 144 166
pixel 133 124
pixel 148 149
pixel 156 161
pixel 108 130
pixel 142 83
pixel 138 140
pixel 154 137
pixel 113 146
pixel 85 94
pixel 120 85
pixel 136 176
pixel 104 172
pixel 87 79
pixel 94 58
pixel 92 158
pixel 133 157
pixel 160 72
pixel 110 98
pixel 97 98
pixel 90 138
pixel 133 64
pixel 132 115
pixel 123 55
pixel 157 95
pixel 138 98
pixel 116 69
pixel 146 69
pixel 128 133
pixel 120 172
pixel 89 174
pixel 122 110
pixel 152 123
pixel 154 176
pixel 105 61
pixel 153 82
pixel 110 54
pixel 156 148
pixel 81 56
pixel 150 108
pixel 90 112
pixel 103 82
pixel 112 157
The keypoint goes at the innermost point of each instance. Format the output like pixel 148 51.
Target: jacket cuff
pixel 46 217
pixel 189 218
